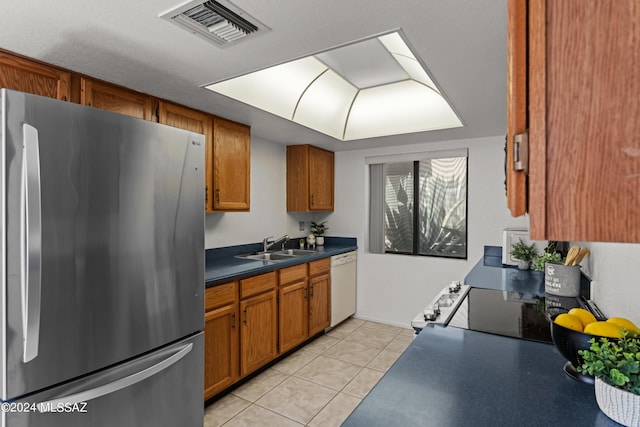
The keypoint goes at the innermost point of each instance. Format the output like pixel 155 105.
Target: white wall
pixel 268 215
pixel 394 288
pixel 615 269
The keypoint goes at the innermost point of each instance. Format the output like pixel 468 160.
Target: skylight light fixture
pixel 372 88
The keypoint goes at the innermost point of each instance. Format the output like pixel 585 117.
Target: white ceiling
pixel 462 42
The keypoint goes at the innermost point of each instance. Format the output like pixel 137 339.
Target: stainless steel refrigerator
pixel 102 259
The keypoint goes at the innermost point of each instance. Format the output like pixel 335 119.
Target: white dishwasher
pixel 343 286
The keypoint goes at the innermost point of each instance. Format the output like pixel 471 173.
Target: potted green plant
pixel 550 254
pixel 319 229
pixel 523 253
pixel 615 364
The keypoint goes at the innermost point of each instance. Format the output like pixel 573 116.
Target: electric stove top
pixel 508 313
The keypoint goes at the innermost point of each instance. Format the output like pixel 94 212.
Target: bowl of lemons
pixel 572 331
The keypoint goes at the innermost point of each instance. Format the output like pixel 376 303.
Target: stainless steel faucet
pixel 266 244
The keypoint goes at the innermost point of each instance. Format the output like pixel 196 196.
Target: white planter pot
pixel 320 240
pixel 619 405
pixel 523 265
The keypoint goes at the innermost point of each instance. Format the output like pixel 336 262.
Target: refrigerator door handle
pixel 31 246
pixel 116 385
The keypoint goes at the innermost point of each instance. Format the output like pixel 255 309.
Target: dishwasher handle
pixel 342 259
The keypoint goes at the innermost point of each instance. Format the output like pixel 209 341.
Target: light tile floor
pixel 318 385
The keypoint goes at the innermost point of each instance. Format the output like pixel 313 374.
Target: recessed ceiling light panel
pixel 376 87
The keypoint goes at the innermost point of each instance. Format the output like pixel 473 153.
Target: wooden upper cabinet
pixel 310 179
pixel 194 121
pixel 582 114
pixel 231 166
pixel 109 97
pixel 21 74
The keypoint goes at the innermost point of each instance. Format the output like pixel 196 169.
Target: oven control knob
pixel 454 286
pixel 431 311
pixel 430 314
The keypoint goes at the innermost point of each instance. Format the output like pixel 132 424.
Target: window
pixel 419 207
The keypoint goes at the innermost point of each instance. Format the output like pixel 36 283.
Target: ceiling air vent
pixel 220 22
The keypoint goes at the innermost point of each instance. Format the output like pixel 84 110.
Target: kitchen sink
pixel 277 255
pixel 296 252
pixel 268 256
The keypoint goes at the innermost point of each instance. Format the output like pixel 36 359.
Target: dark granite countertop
pixel 221 264
pixel 457 377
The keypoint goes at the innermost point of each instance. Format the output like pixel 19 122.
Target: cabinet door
pixel 320 179
pixel 592 89
pixel 27 76
pixel 194 121
pixel 517 120
pixel 221 349
pixel 293 311
pixel 258 337
pixel 582 106
pixel 231 165
pixel 117 99
pixel 319 303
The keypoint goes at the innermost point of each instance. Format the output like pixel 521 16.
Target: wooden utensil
pixel 584 252
pixel 572 254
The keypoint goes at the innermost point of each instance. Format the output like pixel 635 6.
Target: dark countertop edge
pixel 222 265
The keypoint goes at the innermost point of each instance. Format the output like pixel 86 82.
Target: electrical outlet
pixel 301 226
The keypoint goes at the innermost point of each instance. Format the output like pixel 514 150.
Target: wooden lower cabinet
pixel 221 349
pixel 221 338
pixel 319 303
pixel 250 322
pixel 293 307
pixel 258 337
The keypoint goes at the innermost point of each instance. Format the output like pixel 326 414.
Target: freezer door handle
pixel 31 243
pixel 116 385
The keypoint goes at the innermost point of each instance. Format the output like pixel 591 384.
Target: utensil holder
pixel 562 280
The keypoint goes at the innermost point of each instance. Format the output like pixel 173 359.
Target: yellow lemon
pixel 569 321
pixel 585 316
pixel 603 329
pixel 624 323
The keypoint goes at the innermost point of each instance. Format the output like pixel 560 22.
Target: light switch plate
pixel 301 226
